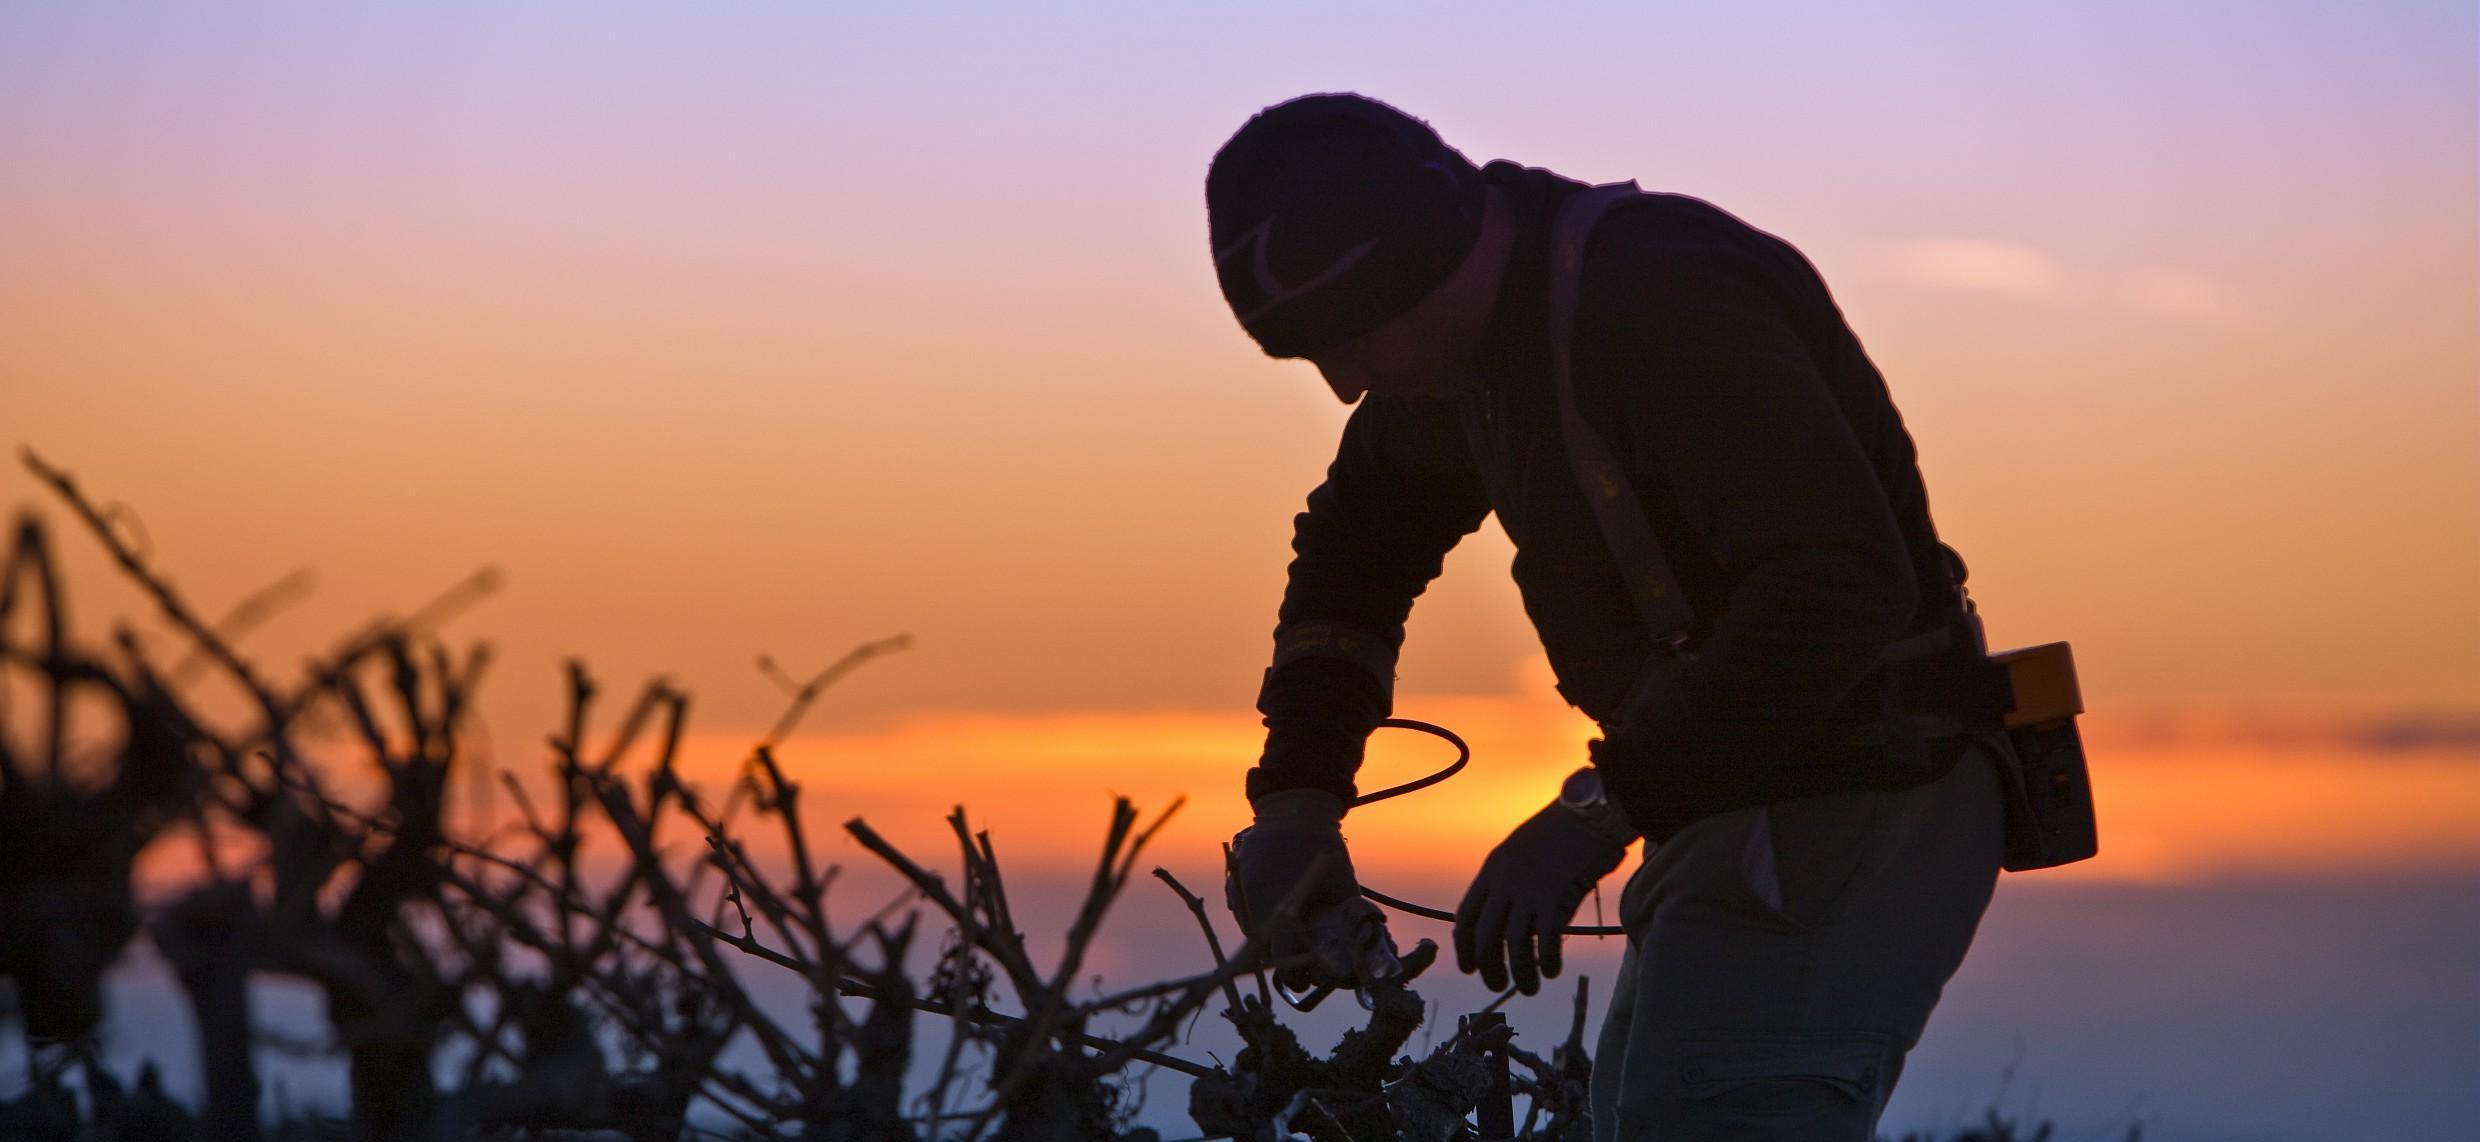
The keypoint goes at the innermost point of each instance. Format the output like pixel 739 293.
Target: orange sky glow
pixel 723 342
pixel 2188 802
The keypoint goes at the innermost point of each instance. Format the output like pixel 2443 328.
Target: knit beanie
pixel 1333 214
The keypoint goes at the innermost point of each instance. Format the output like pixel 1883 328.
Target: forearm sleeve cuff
pixel 1319 711
pixel 1325 638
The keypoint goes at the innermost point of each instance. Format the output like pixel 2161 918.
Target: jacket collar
pixel 1515 349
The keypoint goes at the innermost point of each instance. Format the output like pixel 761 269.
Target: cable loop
pixel 1463 754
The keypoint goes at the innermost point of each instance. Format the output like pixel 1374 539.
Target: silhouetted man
pixel 1823 827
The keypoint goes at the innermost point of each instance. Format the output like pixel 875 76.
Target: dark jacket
pixel 1768 459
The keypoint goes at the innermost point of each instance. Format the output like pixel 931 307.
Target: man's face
pixel 1404 357
pixel 1428 350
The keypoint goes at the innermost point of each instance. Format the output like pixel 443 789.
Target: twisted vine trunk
pixel 394 1096
pixel 219 998
pixel 210 937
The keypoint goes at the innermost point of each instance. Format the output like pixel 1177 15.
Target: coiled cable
pixel 1463 754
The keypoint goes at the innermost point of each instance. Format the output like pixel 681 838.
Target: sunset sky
pixel 776 329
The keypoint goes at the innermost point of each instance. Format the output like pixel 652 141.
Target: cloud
pixel 1976 266
pixel 1981 267
pixel 2179 294
pixel 2444 734
pixel 2420 730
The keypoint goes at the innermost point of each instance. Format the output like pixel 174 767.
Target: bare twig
pixel 808 691
pixel 1214 944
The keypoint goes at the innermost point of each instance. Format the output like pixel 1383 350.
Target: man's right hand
pixel 1297 844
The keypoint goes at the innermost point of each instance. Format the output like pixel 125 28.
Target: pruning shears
pixel 1360 931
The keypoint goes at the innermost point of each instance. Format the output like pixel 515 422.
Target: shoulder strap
pixel 1624 531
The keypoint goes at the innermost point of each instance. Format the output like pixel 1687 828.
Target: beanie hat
pixel 1334 214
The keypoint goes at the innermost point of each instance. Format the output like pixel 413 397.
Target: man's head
pixel 1348 233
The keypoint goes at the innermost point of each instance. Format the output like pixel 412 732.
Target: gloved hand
pixel 1528 889
pixel 1295 830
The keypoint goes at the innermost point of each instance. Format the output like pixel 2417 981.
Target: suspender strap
pixel 1605 485
pixel 1943 670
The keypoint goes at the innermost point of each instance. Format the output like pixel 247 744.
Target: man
pixel 1819 806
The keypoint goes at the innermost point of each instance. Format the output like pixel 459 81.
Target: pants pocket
pixel 1811 1086
pixel 1718 869
pixel 1815 846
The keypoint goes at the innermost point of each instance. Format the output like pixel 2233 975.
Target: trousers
pixel 1783 959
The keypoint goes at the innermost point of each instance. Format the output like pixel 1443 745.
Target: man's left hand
pixel 1527 891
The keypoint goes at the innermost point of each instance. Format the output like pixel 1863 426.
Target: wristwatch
pixel 1583 795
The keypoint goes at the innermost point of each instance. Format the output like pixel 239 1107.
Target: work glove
pixel 1346 935
pixel 1527 891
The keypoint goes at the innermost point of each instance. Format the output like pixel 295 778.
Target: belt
pixel 1944 672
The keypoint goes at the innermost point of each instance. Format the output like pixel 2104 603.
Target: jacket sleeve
pixel 1719 389
pixel 1400 494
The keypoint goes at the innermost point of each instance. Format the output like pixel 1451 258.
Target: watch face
pixel 1582 789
